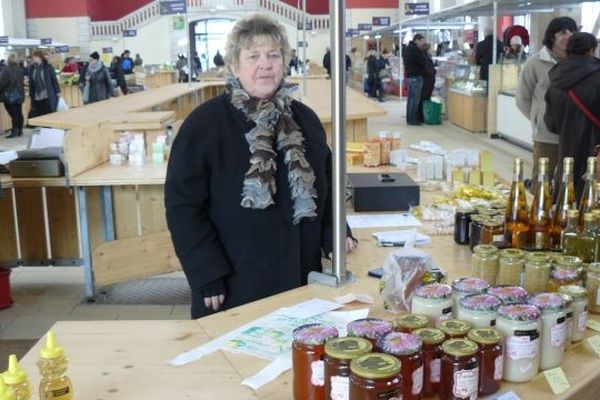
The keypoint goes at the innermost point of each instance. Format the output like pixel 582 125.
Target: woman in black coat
pixel 248 188
pixel 43 85
pixel 428 82
pixel 579 73
pixel 13 94
pixel 98 86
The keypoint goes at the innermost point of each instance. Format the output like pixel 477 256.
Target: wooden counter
pixel 468 112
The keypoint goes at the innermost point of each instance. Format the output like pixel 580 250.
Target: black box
pixel 383 192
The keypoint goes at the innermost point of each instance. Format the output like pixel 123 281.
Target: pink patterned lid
pixel 548 301
pixel 369 328
pixel 519 312
pixel 509 294
pixel 470 285
pixel 434 291
pixel 480 302
pixel 314 334
pixel 564 274
pixel 400 344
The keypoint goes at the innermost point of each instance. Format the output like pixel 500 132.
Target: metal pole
pixel 495 34
pixel 304 88
pixel 187 30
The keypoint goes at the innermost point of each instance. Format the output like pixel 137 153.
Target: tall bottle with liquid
pixel 55 384
pixel 540 219
pixel 516 222
pixel 570 236
pixel 566 201
pixel 586 204
pixel 17 379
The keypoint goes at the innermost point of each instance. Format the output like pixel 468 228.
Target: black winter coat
pixel 414 61
pixel 52 85
pixel 258 252
pixel 100 85
pixel 578 135
pixel 12 79
pixel 484 55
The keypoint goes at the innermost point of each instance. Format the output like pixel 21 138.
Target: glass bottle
pixel 407 348
pixel 369 328
pixel 516 217
pixel 434 301
pixel 554 328
pixel 596 202
pixel 566 201
pixel 586 204
pixel 407 323
pixel 459 370
pixel 490 359
pixel 510 267
pixel 374 376
pixel 432 357
pixel 339 353
pixel 570 236
pixel 540 220
pixel 17 379
pixel 585 246
pixel 484 263
pixel 462 219
pixel 55 383
pixel 308 349
pixel 580 309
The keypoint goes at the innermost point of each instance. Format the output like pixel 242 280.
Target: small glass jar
pixel 465 286
pixel 554 328
pixel 492 232
pixel 537 272
pixel 580 309
pixel 374 376
pixel 566 270
pixel 480 310
pixel 510 267
pixel 484 263
pixel 407 323
pixel 407 348
pixel 592 284
pixel 434 301
pixel 520 327
pixel 369 328
pixel 308 350
pixel 462 219
pixel 339 353
pixel 432 357
pixel 475 228
pixel 490 359
pixel 509 294
pixel 459 370
pixel 455 329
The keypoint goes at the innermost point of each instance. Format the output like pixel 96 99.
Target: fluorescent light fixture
pixel 378 37
pixel 366 37
pixel 220 7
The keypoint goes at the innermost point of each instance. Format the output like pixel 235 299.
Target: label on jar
pixel 446 315
pixel 558 333
pixel 524 344
pixel 436 367
pixel 498 368
pixel 340 388
pixel 581 321
pixel 465 384
pixel 540 240
pixel 498 238
pixel 393 394
pixel 417 378
pixel 317 378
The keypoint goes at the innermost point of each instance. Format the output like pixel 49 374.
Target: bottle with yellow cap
pixel 55 383
pixel 6 393
pixel 16 378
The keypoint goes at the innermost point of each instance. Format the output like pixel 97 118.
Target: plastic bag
pixel 62 105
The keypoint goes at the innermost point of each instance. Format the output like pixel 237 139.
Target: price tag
pixel 595 325
pixel 508 396
pixel 557 380
pixel 594 341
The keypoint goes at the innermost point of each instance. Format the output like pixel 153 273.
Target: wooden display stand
pixel 468 112
pixel 72 95
pixel 159 79
pixel 5 120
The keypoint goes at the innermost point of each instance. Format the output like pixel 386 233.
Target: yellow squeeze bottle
pixel 6 393
pixel 17 379
pixel 55 384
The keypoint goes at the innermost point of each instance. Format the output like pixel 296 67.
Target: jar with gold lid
pixel 339 353
pixel 490 359
pixel 374 376
pixel 455 329
pixel 475 227
pixel 432 357
pixel 409 322
pixel 459 370
pixel 492 232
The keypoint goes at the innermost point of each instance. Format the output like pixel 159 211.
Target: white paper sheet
pixel 47 137
pixel 350 297
pixel 309 308
pixel 382 220
pixel 398 238
pixel 8 156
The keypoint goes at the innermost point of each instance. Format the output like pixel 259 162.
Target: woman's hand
pixel 214 294
pixel 214 302
pixel 351 245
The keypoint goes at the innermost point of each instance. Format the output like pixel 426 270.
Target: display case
pixel 467 98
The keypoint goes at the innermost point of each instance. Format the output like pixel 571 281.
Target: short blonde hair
pixel 252 30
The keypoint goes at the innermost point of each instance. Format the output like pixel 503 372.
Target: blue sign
pixel 3 39
pixel 352 32
pixel 416 9
pixel 170 7
pixel 365 27
pixel 129 33
pixel 308 25
pixel 302 44
pixel 46 41
pixel 61 49
pixel 107 50
pixel 381 21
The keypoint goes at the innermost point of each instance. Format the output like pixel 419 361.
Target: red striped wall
pixel 97 10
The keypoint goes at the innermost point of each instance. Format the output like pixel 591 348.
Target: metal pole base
pixel 330 280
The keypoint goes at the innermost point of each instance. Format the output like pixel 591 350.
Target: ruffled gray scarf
pixel 274 126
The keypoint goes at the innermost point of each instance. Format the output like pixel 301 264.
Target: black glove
pixel 214 288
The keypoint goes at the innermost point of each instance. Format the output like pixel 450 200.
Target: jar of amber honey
pixel 455 329
pixel 460 370
pixel 374 376
pixel 490 359
pixel 409 322
pixel 308 349
pixel 339 353
pixel 369 328
pixel 407 348
pixel 432 358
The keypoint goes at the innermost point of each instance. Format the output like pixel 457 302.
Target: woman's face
pixel 37 60
pixel 260 70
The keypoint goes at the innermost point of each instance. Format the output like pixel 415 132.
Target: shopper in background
pixel 196 65
pixel 414 68
pixel 12 93
pixel 484 53
pixel 182 68
pixel 127 62
pixel 218 60
pixel 428 81
pixel 98 86
pixel 43 85
pixel 138 62
pixel 533 85
pixel 294 64
pixel 372 77
pixel 382 74
pixel 116 73
pixel 327 61
pixel 70 66
pixel 347 69
pixel 575 87
pixel 248 187
pixel 516 50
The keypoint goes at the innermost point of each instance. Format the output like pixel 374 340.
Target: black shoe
pixel 20 132
pixel 13 134
pixel 414 123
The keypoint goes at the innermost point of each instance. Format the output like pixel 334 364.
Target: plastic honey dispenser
pixel 55 383
pixel 17 379
pixel 6 393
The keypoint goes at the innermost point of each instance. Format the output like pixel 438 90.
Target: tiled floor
pixel 49 294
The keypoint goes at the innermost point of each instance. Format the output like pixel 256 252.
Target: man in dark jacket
pixel 484 53
pixel 127 63
pixel 117 73
pixel 578 134
pixel 414 67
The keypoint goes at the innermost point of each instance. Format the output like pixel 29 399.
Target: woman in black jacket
pixel 248 188
pixel 98 86
pixel 565 116
pixel 43 85
pixel 13 94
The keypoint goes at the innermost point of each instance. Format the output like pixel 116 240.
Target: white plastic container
pixel 554 328
pixel 433 301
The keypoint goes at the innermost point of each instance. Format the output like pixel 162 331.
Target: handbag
pixel 583 108
pixel 13 96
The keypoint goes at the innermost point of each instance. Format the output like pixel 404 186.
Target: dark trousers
pixel 42 107
pixel 426 92
pixel 414 86
pixel 16 114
